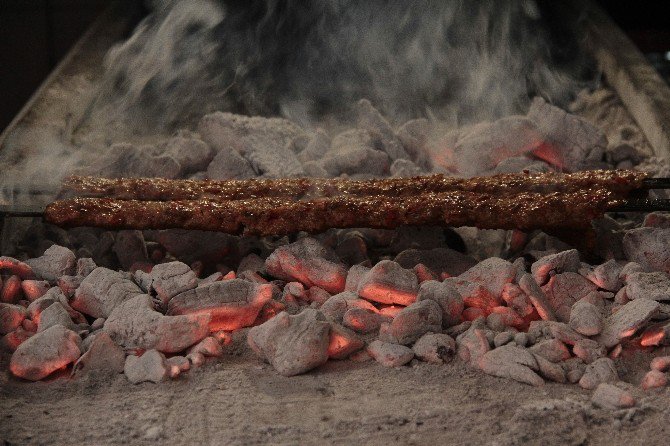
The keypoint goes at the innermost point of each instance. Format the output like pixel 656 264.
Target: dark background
pixel 36 34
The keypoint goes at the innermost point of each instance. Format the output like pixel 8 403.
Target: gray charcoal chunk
pixel 229 165
pixel 292 344
pixel 601 370
pixel 441 260
pixel 356 160
pixel 654 286
pixel 101 291
pixel 55 262
pixel 390 355
pixel 551 349
pixel 191 153
pixel 317 146
pixel 370 119
pixel 11 317
pixel 45 352
pixel 130 248
pixel 550 370
pixel 650 247
pixel 402 168
pixel 437 348
pixel 562 262
pixel 172 278
pixel 85 266
pixel 343 342
pixel 626 321
pixel 609 396
pixel 447 297
pixel 231 304
pixel 387 282
pixel 103 357
pixel 510 361
pixel 564 289
pixel 55 314
pixel 135 324
pixel 151 366
pixel 607 276
pixel 585 318
pixel 336 306
pixel 414 321
pixel 493 274
pixel 588 350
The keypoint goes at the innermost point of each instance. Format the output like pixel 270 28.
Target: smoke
pixel 455 60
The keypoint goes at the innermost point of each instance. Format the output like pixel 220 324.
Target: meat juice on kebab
pixel 558 203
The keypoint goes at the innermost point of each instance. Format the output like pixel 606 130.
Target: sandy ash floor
pixel 238 400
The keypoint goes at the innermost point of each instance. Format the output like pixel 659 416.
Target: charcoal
pixel 11 341
pixel 550 370
pixel 191 153
pixel 660 363
pixel 135 324
pixel 11 317
pixel 502 338
pixel 544 268
pixel 609 396
pixel 574 141
pixel 481 150
pixel 130 248
pixel 309 262
pixel 552 329
pixel 389 354
pixel 474 295
pixel 387 282
pixel 34 289
pixel 354 276
pixel 103 357
pixel 352 249
pixel 402 168
pixel 209 347
pixel 314 169
pixel 416 320
pixel 16 267
pixel 292 344
pixel 607 276
pixel 563 290
pixel 196 359
pixel 441 260
pixel 473 343
pixel 585 318
pixel 180 362
pixel 654 379
pixel 601 370
pixel 98 324
pixel 506 318
pixel 626 321
pixel 447 297
pixel 370 119
pixel 356 160
pixel 437 348
pixel 493 273
pixel 414 135
pixel 232 304
pixel 44 353
pixel 551 349
pixel 335 307
pixel 654 286
pixel 171 279
pixel 29 325
pixel 317 146
pixel 151 366
pixel 11 290
pixel 512 362
pixel 55 314
pixel 483 243
pixel 521 339
pixel 343 342
pixel 55 262
pixel 361 321
pixel 657 220
pixel 229 165
pixel 126 160
pixel 69 284
pixel 191 246
pixel 36 307
pixel 102 291
pixel 516 164
pixel 588 350
pixel 252 262
pixel 517 300
pixel 648 247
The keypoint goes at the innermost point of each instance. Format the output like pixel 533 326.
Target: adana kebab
pixel 275 216
pixel 620 182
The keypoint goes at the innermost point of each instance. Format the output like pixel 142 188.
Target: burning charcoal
pixel 11 317
pixel 55 314
pixel 130 248
pixel 228 164
pixel 573 141
pixel 209 347
pixel 11 290
pixel 135 324
pixel 29 325
pixel 660 363
pixel 563 290
pixel 309 262
pixel 390 355
pixel 551 349
pixel 16 267
pixel 292 344
pixel 102 357
pixel 402 168
pixel 295 290
pixel 151 366
pixel 502 338
pixel 473 343
pixel 361 321
pixel 103 290
pixel 625 322
pixel 474 295
pixel 441 260
pixel 69 284
pixel 550 370
pixel 232 304
pixel 11 341
pixel 492 273
pixel 648 247
pixel 252 262
pixel 36 307
pixel 424 274
pixel 318 145
pixel 544 268
pixel 335 307
pixel 191 153
pixel 447 297
pixel 196 359
pixel 654 379
pixel 370 119
pixel 585 318
pixel 317 295
pixel 45 352
pixel 343 342
pixel 473 313
pixel 609 396
pixel 654 286
pixel 437 348
pixel 512 362
pixel 416 320
pixel 588 350
pixel 508 318
pixel 599 371
pixel 34 289
pixel 517 300
pixel 356 160
pixel 388 283
pixel 180 362
pixel 55 262
pixel 171 279
pixel 606 276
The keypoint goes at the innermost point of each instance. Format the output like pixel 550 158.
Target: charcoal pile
pixel 154 304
